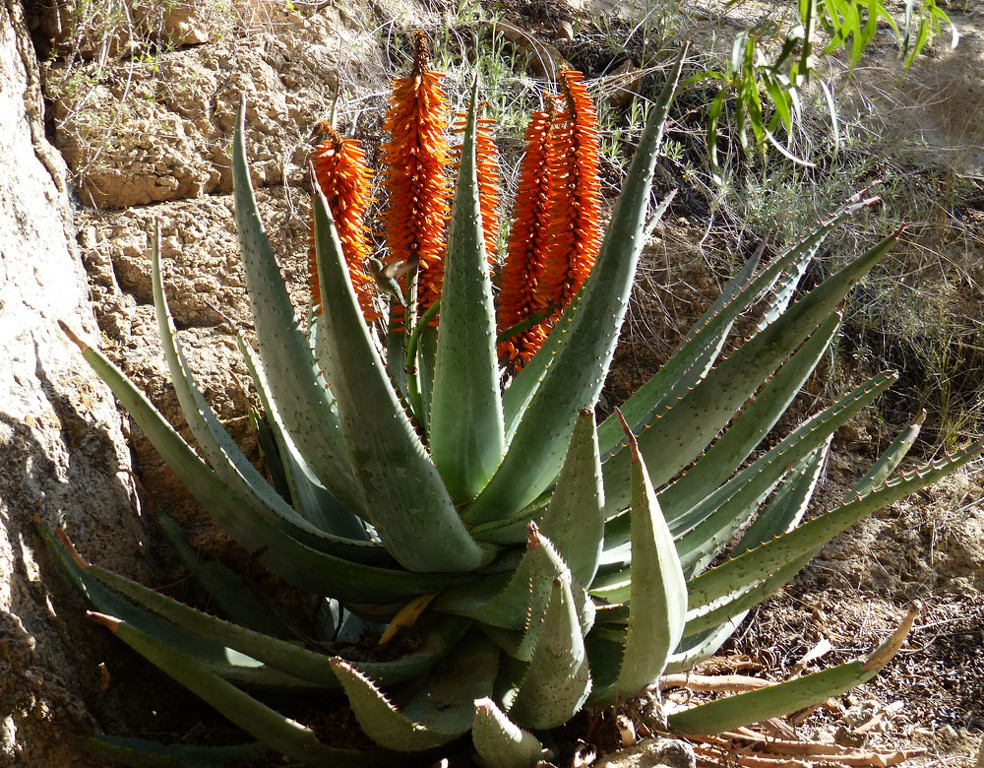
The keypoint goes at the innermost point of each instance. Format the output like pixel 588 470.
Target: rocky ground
pixel 146 137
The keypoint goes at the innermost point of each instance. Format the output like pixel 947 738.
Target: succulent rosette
pixel 442 472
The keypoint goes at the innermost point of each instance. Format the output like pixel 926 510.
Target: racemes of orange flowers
pixel 555 234
pixel 416 157
pixel 345 180
pixel 522 273
pixel 556 231
pixel 575 202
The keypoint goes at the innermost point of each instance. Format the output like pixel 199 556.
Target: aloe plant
pixel 443 473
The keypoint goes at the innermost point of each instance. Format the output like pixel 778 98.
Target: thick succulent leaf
pixel 522 389
pixel 728 610
pixel 785 286
pixel 573 520
pixel 260 721
pixel 749 427
pixel 612 615
pixel 575 377
pixel 517 600
pixel 508 640
pixel 658 596
pixel 406 500
pixel 616 553
pixel 105 600
pixel 711 347
pixel 613 618
pixel 203 638
pixel 692 360
pixel 221 450
pixel 225 588
pixel 497 599
pixel 304 567
pixel 886 464
pixel 512 531
pixel 708 539
pixel 764 703
pixel 742 494
pixel 746 570
pixel 788 504
pixel 605 647
pixel 715 521
pixel 269 452
pixel 732 607
pixel 688 364
pixel 509 600
pixel 466 428
pixel 613 584
pixel 304 401
pixel 439 634
pixel 558 679
pixel 426 365
pixel 499 742
pixel 705 527
pixel 416 378
pixel 542 580
pixel 311 499
pixel 703 645
pixel 440 711
pixel 682 432
pixel 142 753
pixel 396 368
pixel 218 446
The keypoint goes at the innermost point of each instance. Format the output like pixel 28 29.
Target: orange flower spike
pixel 417 158
pixel 487 167
pixel 345 180
pixel 526 252
pixel 576 206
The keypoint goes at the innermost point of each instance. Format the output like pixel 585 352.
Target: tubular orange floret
pixel 526 251
pixel 417 158
pixel 345 181
pixel 575 236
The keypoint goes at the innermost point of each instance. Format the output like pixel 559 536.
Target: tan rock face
pixel 62 454
pixel 158 130
pixel 110 30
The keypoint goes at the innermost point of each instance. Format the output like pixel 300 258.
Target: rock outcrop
pixel 63 458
